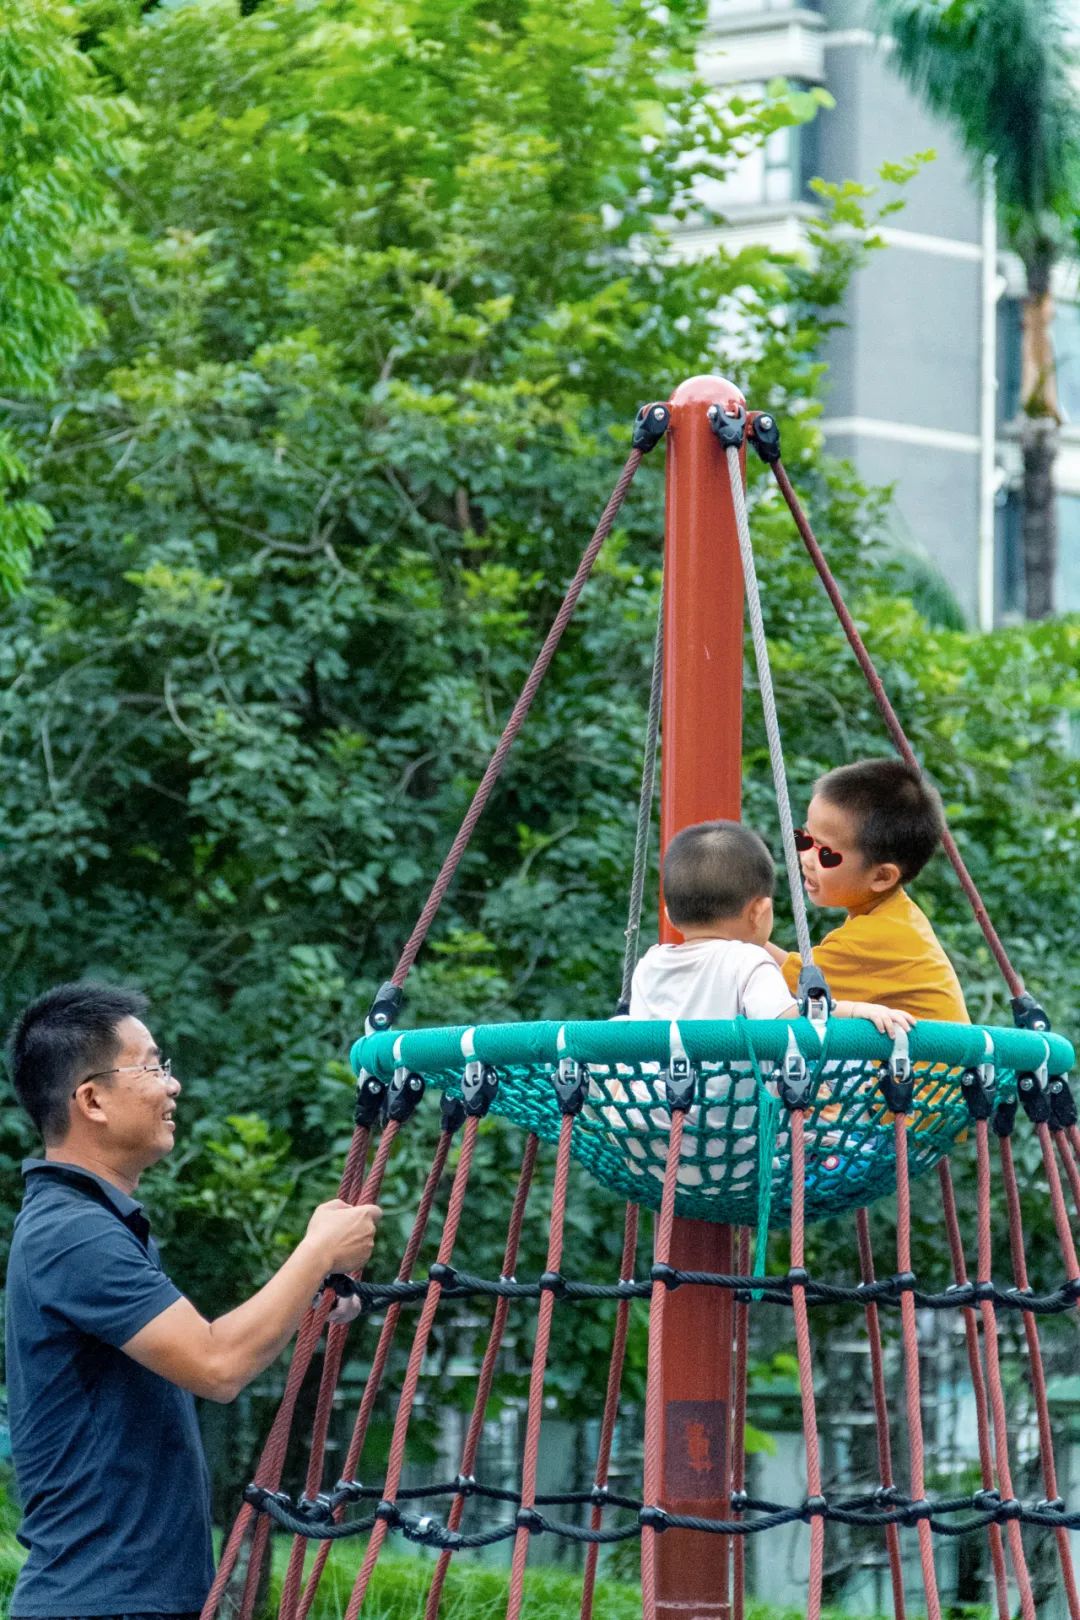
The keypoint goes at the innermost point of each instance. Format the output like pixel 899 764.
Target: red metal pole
pixel 701 766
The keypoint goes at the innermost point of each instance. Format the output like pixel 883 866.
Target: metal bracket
pixel 794 1076
pixel 650 425
pixel 812 995
pixel 1027 1014
pixel 388 1002
pixel 896 1081
pixel 370 1092
pixel 479 1083
pixel 728 423
pixel 571 1080
pixel 763 432
pixel 1033 1090
pixel 404 1094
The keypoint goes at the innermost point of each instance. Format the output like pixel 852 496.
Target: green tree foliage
pixel 57 134
pixel 387 284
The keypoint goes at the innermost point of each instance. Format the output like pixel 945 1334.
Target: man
pixel 104 1354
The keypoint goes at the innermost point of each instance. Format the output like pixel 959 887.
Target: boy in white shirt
pixel 718 889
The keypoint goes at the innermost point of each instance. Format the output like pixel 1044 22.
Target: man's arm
pixel 217 1359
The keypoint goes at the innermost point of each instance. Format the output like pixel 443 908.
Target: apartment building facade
pixel 924 377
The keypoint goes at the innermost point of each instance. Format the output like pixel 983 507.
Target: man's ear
pixel 86 1104
pixel 885 876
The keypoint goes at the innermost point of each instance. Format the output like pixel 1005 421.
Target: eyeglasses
pixel 827 856
pixel 164 1069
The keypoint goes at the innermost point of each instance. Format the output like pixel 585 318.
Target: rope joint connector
pixel 465 1484
pixel 763 431
pixel 814 1507
pixel 571 1081
pixel 650 425
pixel 661 1272
pixel 529 1519
pixel 1004 1117
pixel 315 1508
pixel 451 1115
pixel 812 995
pixel 794 1076
pixel 978 1085
pixel 388 1511
pixel 920 1509
pixel 479 1083
pixel 896 1079
pixel 728 423
pixel 370 1092
pixel 403 1094
pixel 1032 1088
pixel 1063 1114
pixel 384 1009
pixel 553 1282
pixel 680 1083
pixel 653 1518
pixel 1027 1014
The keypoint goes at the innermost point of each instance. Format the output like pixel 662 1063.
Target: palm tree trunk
pixel 1039 436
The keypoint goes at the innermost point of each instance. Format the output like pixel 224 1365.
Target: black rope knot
pixel 814 1507
pixel 553 1282
pixel 914 1511
pixel 1008 1508
pixel 529 1519
pixel 653 1518
pixel 661 1272
pixel 388 1511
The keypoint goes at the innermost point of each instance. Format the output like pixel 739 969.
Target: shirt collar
pixel 124 1205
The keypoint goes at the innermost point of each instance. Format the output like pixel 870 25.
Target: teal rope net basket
pixel 735 1165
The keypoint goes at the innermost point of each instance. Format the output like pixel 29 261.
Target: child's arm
pixel 887 1020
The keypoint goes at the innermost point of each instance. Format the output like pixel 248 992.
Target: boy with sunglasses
pixel 870 828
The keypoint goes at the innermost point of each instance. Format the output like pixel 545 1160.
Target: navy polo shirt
pixel 108 1458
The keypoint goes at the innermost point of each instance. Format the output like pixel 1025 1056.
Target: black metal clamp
pixel 763 431
pixel 896 1080
pixel 679 1080
pixel 1027 1014
pixel 728 423
pixel 571 1081
pixel 813 995
pixel 650 425
pixel 403 1094
pixel 795 1079
pixel 479 1083
pixel 388 1002
pixel 370 1094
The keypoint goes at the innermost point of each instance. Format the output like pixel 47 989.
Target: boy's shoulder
pixel 898 918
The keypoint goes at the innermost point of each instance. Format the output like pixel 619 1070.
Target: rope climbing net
pixel 756 1125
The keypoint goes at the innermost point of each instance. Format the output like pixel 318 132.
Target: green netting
pixel 736 1162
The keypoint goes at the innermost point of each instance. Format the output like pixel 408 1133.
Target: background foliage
pixel 380 288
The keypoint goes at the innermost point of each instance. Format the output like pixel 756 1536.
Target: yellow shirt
pixel 892 955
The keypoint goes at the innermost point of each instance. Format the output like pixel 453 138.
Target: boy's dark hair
pixel 63 1036
pixel 897 812
pixel 712 869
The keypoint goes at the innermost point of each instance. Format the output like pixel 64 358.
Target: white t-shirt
pixel 708 978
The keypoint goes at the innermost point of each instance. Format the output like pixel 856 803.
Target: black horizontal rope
pixel 776 1289
pixel 873 1510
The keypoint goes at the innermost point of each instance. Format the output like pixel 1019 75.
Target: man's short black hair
pixel 897 813
pixel 63 1036
pixel 712 870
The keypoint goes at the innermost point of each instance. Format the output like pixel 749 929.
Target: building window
pixel 1068 580
pixel 777 172
pixel 1066 335
pixel 1009 552
pixel 1067 352
pixel 727 11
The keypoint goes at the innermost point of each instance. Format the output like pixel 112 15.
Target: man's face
pixel 136 1102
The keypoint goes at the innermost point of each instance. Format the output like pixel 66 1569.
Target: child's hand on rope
pixel 886 1020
